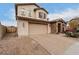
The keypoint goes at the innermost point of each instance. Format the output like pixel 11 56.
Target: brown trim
pixel 20 4
pixel 37 20
pixel 41 9
pixel 43 23
pixel 31 20
pixel 58 20
pixel 77 18
pixel 16 11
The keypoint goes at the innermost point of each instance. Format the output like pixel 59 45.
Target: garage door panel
pixel 37 29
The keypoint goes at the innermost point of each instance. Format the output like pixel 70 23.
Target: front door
pixel 59 27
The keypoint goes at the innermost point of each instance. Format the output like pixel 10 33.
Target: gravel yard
pixel 12 45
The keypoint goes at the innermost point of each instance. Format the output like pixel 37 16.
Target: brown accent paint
pixel 58 20
pixel 41 9
pixel 53 28
pixel 21 4
pixel 16 11
pixel 76 18
pixel 32 20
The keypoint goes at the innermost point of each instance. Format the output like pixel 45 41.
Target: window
pixel 22 13
pixel 25 12
pixel 42 15
pixel 29 13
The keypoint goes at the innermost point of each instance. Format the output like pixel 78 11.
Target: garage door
pixel 37 29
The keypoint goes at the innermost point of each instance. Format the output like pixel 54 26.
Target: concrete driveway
pixel 73 49
pixel 55 43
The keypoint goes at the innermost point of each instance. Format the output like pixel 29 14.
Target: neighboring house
pixel 32 19
pixel 76 18
pixel 74 22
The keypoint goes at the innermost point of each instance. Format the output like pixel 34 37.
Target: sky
pixel 65 11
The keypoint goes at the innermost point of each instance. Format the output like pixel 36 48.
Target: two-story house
pixel 32 19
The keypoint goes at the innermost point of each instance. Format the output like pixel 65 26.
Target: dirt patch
pixel 12 45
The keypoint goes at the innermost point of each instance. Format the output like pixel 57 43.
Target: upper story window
pixel 22 12
pixel 42 15
pixel 28 12
pixel 25 12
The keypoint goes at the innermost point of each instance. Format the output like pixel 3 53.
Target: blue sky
pixel 7 14
pixel 58 7
pixel 56 10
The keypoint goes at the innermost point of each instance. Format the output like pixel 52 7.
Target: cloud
pixel 8 23
pixel 66 15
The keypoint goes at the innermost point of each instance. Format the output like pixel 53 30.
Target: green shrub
pixel 72 34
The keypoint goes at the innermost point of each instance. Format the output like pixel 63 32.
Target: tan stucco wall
pixel 27 7
pixel 34 14
pixel 31 28
pixel 57 27
pixel 22 31
pixel 53 28
pixel 64 26
pixel 37 14
pixel 38 29
pixel 49 28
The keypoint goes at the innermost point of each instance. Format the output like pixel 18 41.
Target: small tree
pixel 73 28
pixel 73 24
